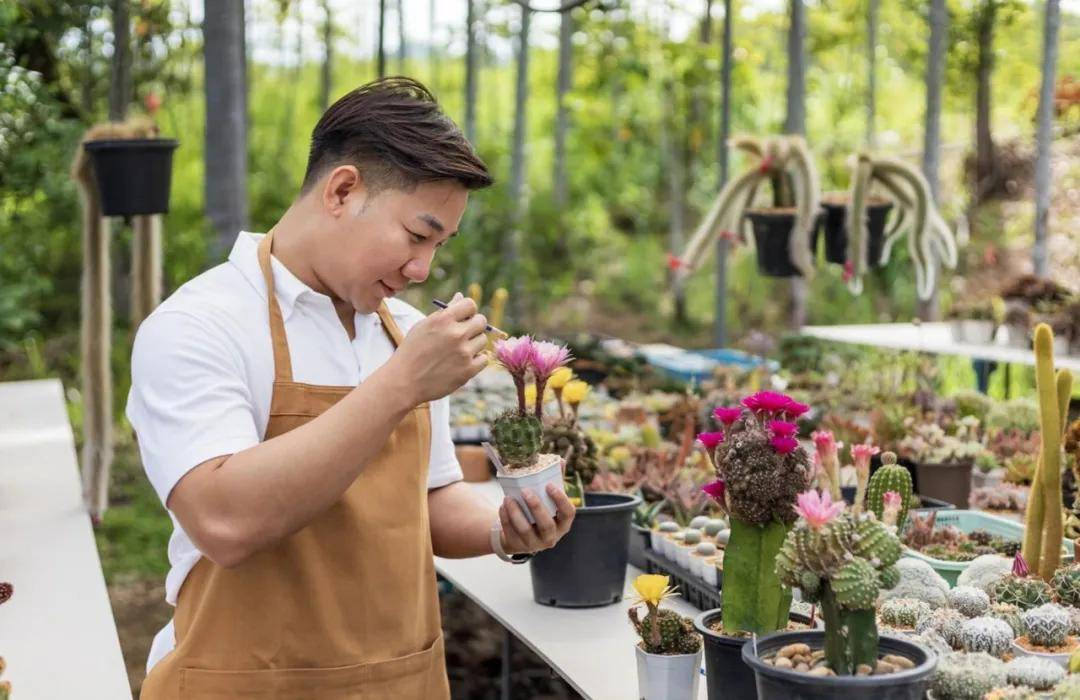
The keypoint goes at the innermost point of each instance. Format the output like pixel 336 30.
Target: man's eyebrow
pixel 432 222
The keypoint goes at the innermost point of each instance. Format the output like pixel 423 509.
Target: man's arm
pixel 236 505
pixel 461 521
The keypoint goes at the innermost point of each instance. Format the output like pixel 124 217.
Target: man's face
pixel 379 245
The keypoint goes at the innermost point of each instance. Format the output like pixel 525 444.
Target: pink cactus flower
pixel 727 414
pixel 862 454
pixel 1020 567
pixel 891 509
pixel 781 428
pixel 546 358
pixel 711 440
pixel 716 490
pixel 796 409
pixel 817 509
pixel 784 445
pixel 824 440
pixel 767 401
pixel 515 354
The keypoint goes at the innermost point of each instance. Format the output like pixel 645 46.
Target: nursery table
pixel 57 633
pixel 591 648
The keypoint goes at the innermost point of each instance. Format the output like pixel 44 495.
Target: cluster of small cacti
pixel 1010 614
pixel 889 477
pixel 662 631
pixel 564 437
pixel 1033 672
pixel 904 613
pixel 967 676
pixel 944 621
pixel 1066 583
pixel 987 634
pixel 1047 625
pixel 969 601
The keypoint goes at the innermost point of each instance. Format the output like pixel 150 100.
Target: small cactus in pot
pixel 986 634
pixel 669 653
pixel 1047 626
pixel 1066 583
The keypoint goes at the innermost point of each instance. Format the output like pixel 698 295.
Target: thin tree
pixel 433 53
pixel 327 74
pixel 872 7
pixel 402 49
pixel 795 123
pixel 562 120
pixel 512 246
pixel 470 70
pixel 931 156
pixel 1044 135
pixel 226 121
pixel 120 75
pixel 985 161
pixel 381 42
pixel 720 304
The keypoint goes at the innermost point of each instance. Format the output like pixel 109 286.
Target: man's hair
pixel 394 132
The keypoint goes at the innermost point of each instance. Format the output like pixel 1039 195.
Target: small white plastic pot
pixel 514 485
pixel 1061 659
pixel 668 676
pixel 709 572
pixel 682 556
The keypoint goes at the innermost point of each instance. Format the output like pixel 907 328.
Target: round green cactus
pixel 1047 625
pixel 889 477
pixel 903 612
pixel 1025 592
pixel 517 437
pixel 1066 583
pixel 677 633
pixel 1033 672
pixel 944 621
pixel 874 542
pixel 987 634
pixel 1010 614
pixel 969 601
pixel 967 676
pixel 856 585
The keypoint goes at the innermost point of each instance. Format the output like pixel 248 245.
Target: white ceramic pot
pixel 682 556
pixel 697 566
pixel 709 572
pixel 656 541
pixel 976 332
pixel 671 546
pixel 514 485
pixel 668 676
pixel 1013 337
pixel 1061 659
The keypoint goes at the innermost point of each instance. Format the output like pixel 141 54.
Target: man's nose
pixel 417 269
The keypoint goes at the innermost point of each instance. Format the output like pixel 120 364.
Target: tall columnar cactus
pixel 889 477
pixel 1043 522
pixel 841 561
pixel 762 470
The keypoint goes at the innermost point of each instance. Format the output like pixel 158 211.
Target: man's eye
pixel 416 237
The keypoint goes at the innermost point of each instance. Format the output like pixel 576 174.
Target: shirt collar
pixel 287 286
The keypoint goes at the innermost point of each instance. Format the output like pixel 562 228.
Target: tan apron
pixel 345 608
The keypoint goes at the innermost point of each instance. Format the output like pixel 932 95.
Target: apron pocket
pixel 404 678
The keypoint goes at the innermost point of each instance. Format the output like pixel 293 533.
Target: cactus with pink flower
pixel 761 468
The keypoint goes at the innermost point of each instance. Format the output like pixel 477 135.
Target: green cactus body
pixel 517 437
pixel 1066 583
pixel 851 636
pixel 903 612
pixel 855 585
pixel 754 599
pixel 1047 625
pixel 889 477
pixel 676 633
pixel 873 541
pixel 1022 591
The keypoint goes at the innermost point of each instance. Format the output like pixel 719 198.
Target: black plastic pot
pixel 587 568
pixel 726 676
pixel 948 482
pixel 639 542
pixel 133 176
pixel 833 224
pixel 782 684
pixel 772 236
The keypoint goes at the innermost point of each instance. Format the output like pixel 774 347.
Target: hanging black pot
pixel 834 225
pixel 772 236
pixel 587 568
pixel 133 175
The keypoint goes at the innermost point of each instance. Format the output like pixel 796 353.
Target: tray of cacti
pixel 841 559
pixel 669 653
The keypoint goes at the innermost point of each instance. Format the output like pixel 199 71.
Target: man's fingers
pixel 461 309
pixel 476 326
pixel 545 526
pixel 513 542
pixel 565 509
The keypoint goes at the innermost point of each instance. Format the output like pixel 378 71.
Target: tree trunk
pixel 671 143
pixel 86 94
pixel 935 72
pixel 120 73
pixel 720 304
pixel 511 252
pixel 566 32
pixel 402 49
pixel 1044 135
pixel 985 166
pixel 327 74
pixel 698 106
pixel 381 50
pixel 226 122
pixel 433 56
pixel 871 71
pixel 795 123
pixel 470 71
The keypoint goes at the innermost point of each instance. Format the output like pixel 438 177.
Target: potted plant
pixel 834 226
pixel 761 469
pixel 781 233
pixel 669 653
pixel 132 166
pixel 518 432
pixel 840 559
pixel 943 462
pixel 1047 634
pixel 642 523
pixel 973 323
pixel 587 567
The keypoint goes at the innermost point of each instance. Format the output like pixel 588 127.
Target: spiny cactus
pixel 1074 620
pixel 1020 589
pixel 967 676
pixel 517 437
pixel 1010 614
pixel 565 438
pixel 1047 625
pixel 903 612
pixel 1012 692
pixel 984 570
pixel 969 601
pixel 1043 521
pixel 1066 583
pixel 987 634
pixel 676 633
pixel 1033 672
pixel 945 622
pixel 889 477
pixel 1068 689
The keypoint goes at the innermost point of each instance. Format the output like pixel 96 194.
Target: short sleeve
pixel 189 400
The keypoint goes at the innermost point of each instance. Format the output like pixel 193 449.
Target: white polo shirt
pixel 202 372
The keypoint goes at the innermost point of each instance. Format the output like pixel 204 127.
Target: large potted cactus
pixel 761 469
pixel 840 559
pixel 669 653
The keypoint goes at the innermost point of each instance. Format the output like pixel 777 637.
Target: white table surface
pixel 591 648
pixel 57 633
pixel 930 337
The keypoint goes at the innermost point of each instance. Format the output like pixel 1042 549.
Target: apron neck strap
pixel 390 325
pixel 282 361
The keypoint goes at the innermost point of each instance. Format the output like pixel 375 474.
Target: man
pixel 292 416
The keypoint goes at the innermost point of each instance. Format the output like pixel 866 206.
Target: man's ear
pixel 343 184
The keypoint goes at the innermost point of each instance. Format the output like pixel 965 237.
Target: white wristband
pixel 497 548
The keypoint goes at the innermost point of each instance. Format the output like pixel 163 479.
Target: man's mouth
pixel 387 290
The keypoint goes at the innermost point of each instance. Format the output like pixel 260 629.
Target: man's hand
pixel 443 351
pixel 519 537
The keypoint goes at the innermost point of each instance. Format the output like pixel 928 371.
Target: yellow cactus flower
pixel 652 588
pixel 530 394
pixel 560 377
pixel 574 392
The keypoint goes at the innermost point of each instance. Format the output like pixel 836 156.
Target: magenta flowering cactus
pixel 817 509
pixel 727 414
pixel 710 440
pixel 516 355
